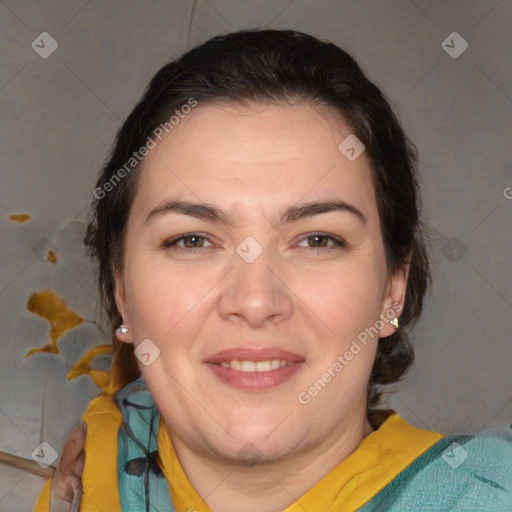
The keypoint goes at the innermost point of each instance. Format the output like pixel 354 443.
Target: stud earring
pixel 123 329
pixel 394 322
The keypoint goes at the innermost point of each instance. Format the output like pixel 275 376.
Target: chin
pixel 256 425
pixel 255 452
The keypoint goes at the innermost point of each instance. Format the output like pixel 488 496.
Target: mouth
pixel 256 366
pixel 254 370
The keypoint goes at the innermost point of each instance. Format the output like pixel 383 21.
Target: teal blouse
pixel 459 473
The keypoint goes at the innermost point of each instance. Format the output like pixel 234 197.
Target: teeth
pixel 248 366
pixel 263 366
pixel 253 366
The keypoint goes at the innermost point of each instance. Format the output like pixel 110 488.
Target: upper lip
pixel 247 354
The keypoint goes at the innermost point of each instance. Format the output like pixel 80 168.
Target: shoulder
pixel 461 472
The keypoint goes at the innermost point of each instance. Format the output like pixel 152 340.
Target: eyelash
pixel 338 242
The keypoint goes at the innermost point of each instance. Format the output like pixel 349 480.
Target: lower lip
pixel 255 381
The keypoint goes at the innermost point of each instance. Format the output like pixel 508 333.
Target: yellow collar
pixel 380 457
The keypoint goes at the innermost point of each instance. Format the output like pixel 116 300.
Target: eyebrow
pixel 210 213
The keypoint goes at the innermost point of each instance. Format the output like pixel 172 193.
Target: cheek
pixel 169 304
pixel 158 296
pixel 345 299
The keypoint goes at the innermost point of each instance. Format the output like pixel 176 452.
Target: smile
pixel 253 366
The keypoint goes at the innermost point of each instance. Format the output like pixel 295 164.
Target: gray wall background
pixel 59 117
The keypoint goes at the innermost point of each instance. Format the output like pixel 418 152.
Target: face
pixel 253 299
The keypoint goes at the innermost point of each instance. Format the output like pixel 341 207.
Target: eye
pixel 320 241
pixel 192 241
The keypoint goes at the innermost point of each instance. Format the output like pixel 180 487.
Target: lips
pixel 244 354
pixel 254 370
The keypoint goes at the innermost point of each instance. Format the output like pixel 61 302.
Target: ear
pixel 394 299
pixel 122 307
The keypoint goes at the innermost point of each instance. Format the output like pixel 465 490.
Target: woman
pixel 260 255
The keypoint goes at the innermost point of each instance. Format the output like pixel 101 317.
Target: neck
pixel 267 487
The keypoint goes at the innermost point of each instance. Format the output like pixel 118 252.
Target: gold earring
pixel 394 322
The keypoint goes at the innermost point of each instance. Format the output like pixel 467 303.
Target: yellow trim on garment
pixel 43 501
pixel 380 457
pixel 100 484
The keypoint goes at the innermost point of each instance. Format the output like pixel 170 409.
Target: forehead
pixel 255 154
pixel 254 133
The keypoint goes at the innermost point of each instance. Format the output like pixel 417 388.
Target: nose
pixel 255 290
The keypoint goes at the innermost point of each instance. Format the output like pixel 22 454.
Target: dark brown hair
pixel 275 66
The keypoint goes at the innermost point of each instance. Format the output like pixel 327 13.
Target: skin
pixel 253 162
pixel 66 490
